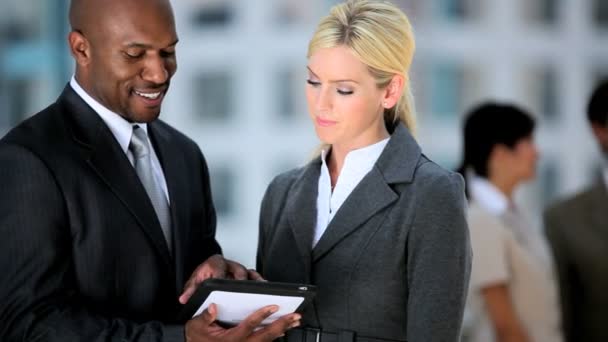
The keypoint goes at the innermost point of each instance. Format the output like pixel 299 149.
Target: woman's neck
pixel 339 152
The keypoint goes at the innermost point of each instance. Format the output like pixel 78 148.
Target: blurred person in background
pixel 512 293
pixel 377 226
pixel 105 210
pixel 577 229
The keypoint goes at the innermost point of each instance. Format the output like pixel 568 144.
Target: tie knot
pixel 139 142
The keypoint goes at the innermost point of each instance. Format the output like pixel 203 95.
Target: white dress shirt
pixel 357 164
pixel 122 131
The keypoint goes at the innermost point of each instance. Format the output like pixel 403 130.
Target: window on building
pixel 457 10
pixel 290 102
pixel 213 13
pixel 540 87
pixel 213 95
pixel 286 91
pixel 600 13
pixel 549 181
pixel 450 89
pixel 296 12
pixel 223 190
pixel 543 12
pixel 21 20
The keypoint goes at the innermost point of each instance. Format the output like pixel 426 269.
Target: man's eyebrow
pixel 148 46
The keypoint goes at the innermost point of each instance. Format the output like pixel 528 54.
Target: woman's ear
pixel 393 91
pixel 79 48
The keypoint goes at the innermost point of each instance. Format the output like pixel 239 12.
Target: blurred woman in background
pixel 512 294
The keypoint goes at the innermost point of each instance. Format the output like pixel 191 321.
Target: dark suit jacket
pixel 577 229
pixel 83 257
pixel 394 262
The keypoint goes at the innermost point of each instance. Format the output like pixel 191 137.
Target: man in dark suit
pixel 577 229
pixel 106 211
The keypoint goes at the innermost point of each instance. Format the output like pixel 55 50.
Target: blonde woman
pixel 376 225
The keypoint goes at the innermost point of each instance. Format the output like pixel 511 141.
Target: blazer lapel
pixel 106 158
pixel 396 164
pixel 177 186
pixel 369 197
pixel 302 211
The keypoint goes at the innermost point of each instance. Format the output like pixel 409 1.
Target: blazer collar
pixel 105 156
pixel 400 157
pixel 396 164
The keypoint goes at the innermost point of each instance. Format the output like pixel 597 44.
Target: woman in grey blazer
pixel 376 225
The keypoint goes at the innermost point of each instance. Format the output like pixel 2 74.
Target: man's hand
pixel 216 267
pixel 204 327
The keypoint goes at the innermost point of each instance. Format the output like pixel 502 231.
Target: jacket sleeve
pixel 439 261
pixel 39 299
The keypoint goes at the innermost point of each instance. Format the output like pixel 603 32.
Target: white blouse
pixel 357 164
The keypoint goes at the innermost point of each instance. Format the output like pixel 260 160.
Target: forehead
pixel 152 25
pixel 337 63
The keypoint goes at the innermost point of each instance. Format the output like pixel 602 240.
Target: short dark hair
pixel 597 109
pixel 488 125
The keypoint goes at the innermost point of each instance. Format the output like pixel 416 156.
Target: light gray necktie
pixel 142 162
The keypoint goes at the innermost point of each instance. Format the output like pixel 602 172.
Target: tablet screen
pixel 233 307
pixel 237 299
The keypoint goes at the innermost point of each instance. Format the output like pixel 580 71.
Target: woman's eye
pixel 344 92
pixel 313 83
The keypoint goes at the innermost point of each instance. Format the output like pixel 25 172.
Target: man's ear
pixel 79 48
pixel 393 91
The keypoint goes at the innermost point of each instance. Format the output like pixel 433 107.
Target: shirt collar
pixel 121 128
pixel 362 158
pixel 488 196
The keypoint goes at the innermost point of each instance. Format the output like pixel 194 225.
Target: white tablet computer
pixel 237 299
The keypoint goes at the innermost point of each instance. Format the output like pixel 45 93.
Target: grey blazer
pixel 394 263
pixel 577 229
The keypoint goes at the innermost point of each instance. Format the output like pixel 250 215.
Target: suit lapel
pixel 396 164
pixel 369 197
pixel 302 211
pixel 177 186
pixel 106 158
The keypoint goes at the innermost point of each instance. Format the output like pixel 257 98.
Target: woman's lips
pixel 325 122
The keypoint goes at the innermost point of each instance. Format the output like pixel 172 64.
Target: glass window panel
pixel 286 101
pixel 223 190
pixel 544 12
pixel 213 95
pixel 457 10
pixel 291 100
pixel 451 87
pixel 549 181
pixel 540 89
pixel 212 13
pixel 296 12
pixel 600 13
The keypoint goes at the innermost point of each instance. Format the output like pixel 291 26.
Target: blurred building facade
pixel 239 89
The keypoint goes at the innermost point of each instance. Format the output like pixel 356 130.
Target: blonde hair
pixel 381 36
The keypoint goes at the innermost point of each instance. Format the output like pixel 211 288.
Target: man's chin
pixel 145 116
